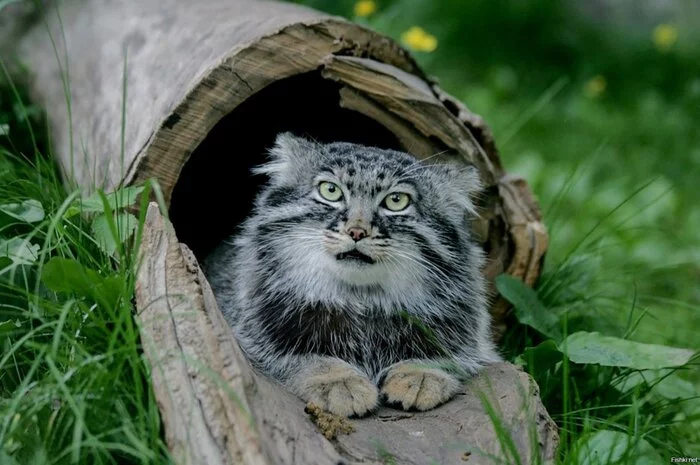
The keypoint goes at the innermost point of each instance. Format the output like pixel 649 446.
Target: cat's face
pixel 364 216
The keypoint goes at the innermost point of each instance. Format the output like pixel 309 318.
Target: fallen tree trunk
pixel 216 410
pixel 193 94
pixel 202 88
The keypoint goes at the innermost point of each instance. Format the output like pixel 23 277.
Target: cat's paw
pixel 340 390
pixel 421 387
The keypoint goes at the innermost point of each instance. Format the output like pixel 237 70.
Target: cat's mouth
pixel 355 255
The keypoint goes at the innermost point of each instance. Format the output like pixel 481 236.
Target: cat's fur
pixel 342 332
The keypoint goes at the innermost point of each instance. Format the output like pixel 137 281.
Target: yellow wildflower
pixel 418 39
pixel 664 36
pixel 365 8
pixel 595 86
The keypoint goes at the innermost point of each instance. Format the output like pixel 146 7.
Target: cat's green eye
pixel 330 191
pixel 397 201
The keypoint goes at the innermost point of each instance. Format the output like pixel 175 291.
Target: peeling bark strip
pixel 216 410
pixel 191 63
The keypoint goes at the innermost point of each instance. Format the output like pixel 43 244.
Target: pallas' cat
pixel 355 279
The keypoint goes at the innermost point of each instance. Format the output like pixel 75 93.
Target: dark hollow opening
pixel 215 190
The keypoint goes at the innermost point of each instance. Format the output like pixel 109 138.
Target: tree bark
pixel 168 72
pixel 217 410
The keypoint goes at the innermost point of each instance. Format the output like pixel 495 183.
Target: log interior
pixel 215 190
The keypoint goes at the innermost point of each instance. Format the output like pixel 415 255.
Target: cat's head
pixel 363 215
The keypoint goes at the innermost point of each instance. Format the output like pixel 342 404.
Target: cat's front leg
pixel 332 384
pixel 418 384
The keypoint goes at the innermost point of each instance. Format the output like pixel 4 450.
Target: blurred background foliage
pixel 597 104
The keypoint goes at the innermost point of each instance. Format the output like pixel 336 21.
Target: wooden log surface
pixel 169 71
pixel 185 65
pixel 216 410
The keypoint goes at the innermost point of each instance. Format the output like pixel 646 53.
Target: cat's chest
pixel 358 338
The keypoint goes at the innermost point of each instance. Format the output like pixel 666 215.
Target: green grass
pixel 615 173
pixel 73 385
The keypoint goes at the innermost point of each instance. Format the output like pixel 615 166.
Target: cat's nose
pixel 356 233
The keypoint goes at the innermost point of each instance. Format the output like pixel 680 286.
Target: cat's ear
pixel 470 180
pixel 467 186
pixel 289 157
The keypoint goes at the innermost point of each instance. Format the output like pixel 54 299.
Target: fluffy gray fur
pixel 347 330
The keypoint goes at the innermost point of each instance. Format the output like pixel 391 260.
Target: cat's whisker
pixel 393 262
pixel 429 266
pixel 419 163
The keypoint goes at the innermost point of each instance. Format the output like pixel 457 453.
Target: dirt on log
pixel 202 87
pixel 217 410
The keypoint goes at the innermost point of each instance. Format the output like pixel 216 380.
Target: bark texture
pixel 169 71
pixel 216 410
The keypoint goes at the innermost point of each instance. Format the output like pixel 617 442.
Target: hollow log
pixel 193 94
pixel 201 88
pixel 217 410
